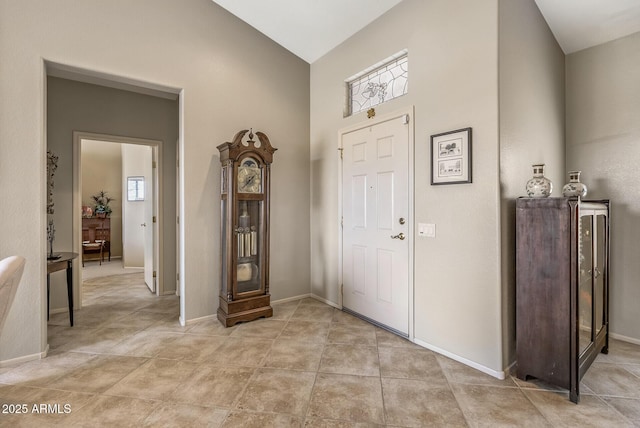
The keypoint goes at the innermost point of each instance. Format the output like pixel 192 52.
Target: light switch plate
pixel 427 230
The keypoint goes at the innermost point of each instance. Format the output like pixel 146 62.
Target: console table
pixel 64 262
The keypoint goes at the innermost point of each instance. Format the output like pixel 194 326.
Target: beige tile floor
pixel 128 362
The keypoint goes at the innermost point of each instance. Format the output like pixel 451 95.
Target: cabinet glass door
pixel 585 286
pixel 599 271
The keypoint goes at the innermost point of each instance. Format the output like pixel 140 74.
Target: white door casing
pixel 149 226
pixel 178 196
pixel 77 201
pixel 376 216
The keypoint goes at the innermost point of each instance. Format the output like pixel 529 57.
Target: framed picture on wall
pixel 451 157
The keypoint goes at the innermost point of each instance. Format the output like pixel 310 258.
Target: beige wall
pixel 231 77
pixel 532 111
pixel 453 69
pixel 603 141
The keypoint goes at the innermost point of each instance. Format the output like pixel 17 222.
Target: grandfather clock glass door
pixel 248 234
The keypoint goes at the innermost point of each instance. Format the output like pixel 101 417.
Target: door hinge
pixel 154 219
pixel 153 164
pixel 340 149
pixel 177 219
pixel 342 222
pixel 154 273
pixel 178 276
pixel 342 289
pixel 405 119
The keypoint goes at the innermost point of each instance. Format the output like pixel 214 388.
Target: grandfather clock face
pixel 249 176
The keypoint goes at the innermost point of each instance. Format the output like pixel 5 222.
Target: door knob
pixel 399 236
pixel 144 225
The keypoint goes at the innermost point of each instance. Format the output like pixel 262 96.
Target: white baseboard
pixel 195 320
pixel 304 296
pixel 291 299
pixel 624 338
pixel 59 310
pixel 497 374
pixel 25 358
pixel 328 302
pixel 206 317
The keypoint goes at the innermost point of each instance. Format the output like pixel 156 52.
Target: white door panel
pixel 359 266
pixel 359 201
pixel 385 201
pixel 375 197
pixel 385 276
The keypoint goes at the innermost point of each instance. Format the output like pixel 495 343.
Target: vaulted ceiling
pixel 311 28
pixel 308 28
pixel 580 24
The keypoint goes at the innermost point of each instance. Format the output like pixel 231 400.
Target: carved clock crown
pixel 236 148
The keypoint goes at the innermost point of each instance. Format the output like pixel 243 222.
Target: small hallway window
pixel 135 188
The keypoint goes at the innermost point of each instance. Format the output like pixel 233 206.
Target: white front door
pixel 376 218
pixel 148 225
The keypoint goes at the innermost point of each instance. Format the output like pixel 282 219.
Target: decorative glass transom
pixel 382 82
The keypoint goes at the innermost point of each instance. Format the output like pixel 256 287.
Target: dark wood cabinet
pixel 96 238
pixel 562 288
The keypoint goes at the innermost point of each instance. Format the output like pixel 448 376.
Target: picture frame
pixel 451 157
pixel 87 211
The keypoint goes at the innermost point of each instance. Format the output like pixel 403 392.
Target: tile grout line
pixel 455 396
pixel 385 416
pixel 526 396
pixel 611 407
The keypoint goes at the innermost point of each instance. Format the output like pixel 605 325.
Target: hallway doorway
pixel 130 169
pixel 93 105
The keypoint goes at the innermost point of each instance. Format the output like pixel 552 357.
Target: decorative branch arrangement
pixel 52 165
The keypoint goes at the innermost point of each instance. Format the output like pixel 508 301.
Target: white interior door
pixel 375 191
pixel 148 225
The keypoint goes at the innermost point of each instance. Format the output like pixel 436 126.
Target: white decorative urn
pixel 539 186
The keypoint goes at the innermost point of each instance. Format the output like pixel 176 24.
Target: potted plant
pixel 101 204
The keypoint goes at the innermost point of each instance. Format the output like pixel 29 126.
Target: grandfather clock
pixel 244 289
